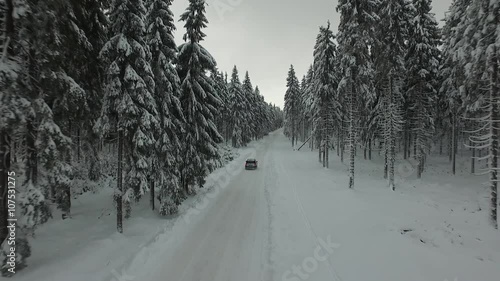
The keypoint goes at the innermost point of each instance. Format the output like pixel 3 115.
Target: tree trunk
pixel 370 149
pixel 441 146
pixel 324 153
pixel 320 147
pixel 303 130
pixel 415 146
pixel 352 131
pixel 338 144
pixel 32 157
pixel 119 192
pixel 78 144
pixel 365 151
pixel 312 141
pixel 421 160
pixel 410 138
pixel 390 142
pixel 152 193
pixel 386 161
pixel 5 142
pixel 405 144
pixel 473 161
pixel 450 143
pixel 495 117
pixel 341 145
pixel 392 162
pixel 327 148
pixel 453 146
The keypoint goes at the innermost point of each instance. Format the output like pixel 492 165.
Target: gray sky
pixel 266 36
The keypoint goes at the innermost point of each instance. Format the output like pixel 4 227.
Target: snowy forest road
pixel 231 242
pixel 289 220
pixel 293 220
pixel 256 229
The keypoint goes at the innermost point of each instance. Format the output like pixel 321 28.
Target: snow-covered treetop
pixel 195 19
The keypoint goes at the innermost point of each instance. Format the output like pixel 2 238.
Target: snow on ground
pixel 289 220
pixel 430 229
pixel 88 247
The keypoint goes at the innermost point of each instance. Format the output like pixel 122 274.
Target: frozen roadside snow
pixel 433 229
pixel 88 246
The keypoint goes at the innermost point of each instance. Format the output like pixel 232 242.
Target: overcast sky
pixel 264 37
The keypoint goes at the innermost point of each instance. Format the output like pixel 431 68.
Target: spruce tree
pixel 452 74
pixel 251 110
pixel 482 38
pixel 292 98
pixel 356 31
pixel 129 108
pixel 422 63
pixel 199 100
pixel 326 107
pixel 224 114
pixel 308 103
pixel 25 116
pixel 90 17
pixel 394 22
pixel 160 38
pixel 238 109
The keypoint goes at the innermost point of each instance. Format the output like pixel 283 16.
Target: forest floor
pixel 291 219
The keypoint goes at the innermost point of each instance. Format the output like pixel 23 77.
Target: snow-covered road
pixel 290 220
pixel 231 242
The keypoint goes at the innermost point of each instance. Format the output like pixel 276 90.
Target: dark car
pixel 251 164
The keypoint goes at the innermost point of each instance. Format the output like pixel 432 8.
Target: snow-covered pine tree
pixel 20 103
pixel 88 69
pixel 355 37
pixel 160 38
pixel 224 113
pixel 269 117
pixel 251 110
pixel 9 116
pixel 292 97
pixel 307 104
pixel 129 108
pixel 262 122
pixel 422 63
pixel 482 37
pixel 198 98
pixel 395 16
pixel 326 108
pixel 238 109
pixel 52 28
pixel 302 109
pixel 452 75
pixel 278 117
pixel 70 79
pixel 272 116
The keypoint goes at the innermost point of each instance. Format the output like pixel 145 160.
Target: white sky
pixel 266 36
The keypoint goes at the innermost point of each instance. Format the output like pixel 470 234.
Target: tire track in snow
pixel 270 182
